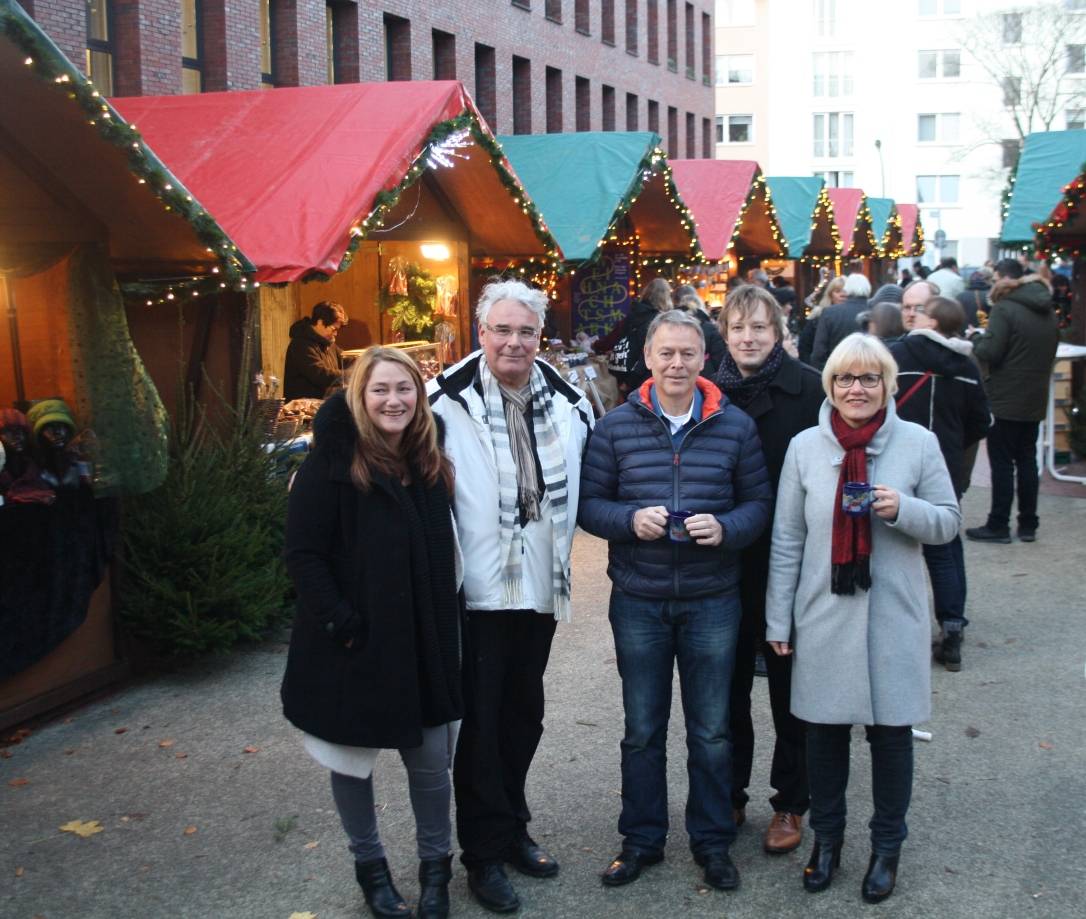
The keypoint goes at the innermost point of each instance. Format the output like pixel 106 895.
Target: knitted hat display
pixel 47 411
pixel 13 418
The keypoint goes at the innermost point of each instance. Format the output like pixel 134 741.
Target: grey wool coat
pixel 865 658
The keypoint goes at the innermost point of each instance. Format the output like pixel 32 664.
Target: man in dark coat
pixel 783 397
pixel 974 298
pixel 314 364
pixel 939 387
pixel 1019 348
pixel 676 483
pixel 837 322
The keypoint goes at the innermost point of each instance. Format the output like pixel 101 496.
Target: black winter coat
pixel 835 324
pixel 718 469
pixel 362 572
pixel 313 364
pixel 951 404
pixel 635 329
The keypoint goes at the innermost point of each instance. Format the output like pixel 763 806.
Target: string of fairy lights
pixel 1047 241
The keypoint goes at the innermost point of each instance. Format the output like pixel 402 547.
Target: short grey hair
pixel 857 285
pixel 931 285
pixel 529 297
pixel 867 351
pixel 674 317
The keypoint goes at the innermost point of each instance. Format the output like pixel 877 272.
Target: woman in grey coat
pixel 847 594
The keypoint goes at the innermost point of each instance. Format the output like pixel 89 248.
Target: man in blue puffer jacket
pixel 676 446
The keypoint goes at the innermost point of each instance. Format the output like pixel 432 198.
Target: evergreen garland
pixel 415 309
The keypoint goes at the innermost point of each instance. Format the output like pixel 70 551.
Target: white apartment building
pixel 885 96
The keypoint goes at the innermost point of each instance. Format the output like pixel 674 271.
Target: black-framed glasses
pixel 503 332
pixel 867 380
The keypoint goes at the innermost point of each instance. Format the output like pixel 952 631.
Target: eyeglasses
pixel 867 380
pixel 908 308
pixel 504 332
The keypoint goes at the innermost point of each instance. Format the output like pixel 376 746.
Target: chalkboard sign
pixel 601 293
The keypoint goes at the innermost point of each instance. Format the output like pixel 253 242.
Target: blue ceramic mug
pixel 856 498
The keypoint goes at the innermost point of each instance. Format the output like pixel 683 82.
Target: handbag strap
pixel 911 391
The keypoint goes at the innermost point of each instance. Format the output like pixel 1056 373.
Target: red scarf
pixel 851 556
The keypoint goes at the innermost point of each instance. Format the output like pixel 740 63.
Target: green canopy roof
pixel 583 182
pixel 797 199
pixel 881 211
pixel 1049 160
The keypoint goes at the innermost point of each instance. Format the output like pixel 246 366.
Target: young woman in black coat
pixel 374 657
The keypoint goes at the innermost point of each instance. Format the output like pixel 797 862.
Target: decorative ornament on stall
pixel 1071 205
pixel 413 308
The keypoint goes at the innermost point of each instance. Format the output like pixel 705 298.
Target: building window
pixel 584 104
pixel 654 116
pixel 100 45
pixel 397 48
pixel 688 26
pixel 832 74
pixel 552 9
pixel 1076 120
pixel 673 35
pixel 734 69
pixel 652 28
pixel 607 107
pixel 735 129
pixel 939 7
pixel 192 43
pixel 937 189
pixel 1076 58
pixel 691 136
pixel 832 134
pixel 444 55
pixel 631 26
pixel 939 65
pixel 1010 147
pixel 631 112
pixel 672 132
pixel 706 49
pixel 554 100
pixel 1012 91
pixel 581 21
pixel 268 11
pixel 523 4
pixel 522 95
pixel 486 90
pixel 736 12
pixel 1075 6
pixel 837 179
pixel 607 22
pixel 706 139
pixel 1012 28
pixel 938 129
pixel 825 16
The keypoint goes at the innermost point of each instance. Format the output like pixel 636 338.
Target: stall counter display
pixel 427 354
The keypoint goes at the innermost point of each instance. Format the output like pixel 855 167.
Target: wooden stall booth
pixel 887 229
pixel 374 195
pixel 736 220
pixel 806 216
pixel 85 203
pixel 858 243
pixel 912 231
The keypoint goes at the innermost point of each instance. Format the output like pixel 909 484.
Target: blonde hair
pixel 832 284
pixel 658 293
pixel 745 301
pixel 418 448
pixel 866 351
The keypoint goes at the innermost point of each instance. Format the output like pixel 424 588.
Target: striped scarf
pixel 511 485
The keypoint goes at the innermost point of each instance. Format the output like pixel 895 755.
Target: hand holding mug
pixel 705 529
pixel 886 503
pixel 650 523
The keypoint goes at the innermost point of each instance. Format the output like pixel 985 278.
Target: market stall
pixel 85 203
pixel 1049 161
pixel 912 231
pixel 611 202
pixel 854 226
pixel 887 230
pixel 736 219
pixel 807 221
pixel 374 195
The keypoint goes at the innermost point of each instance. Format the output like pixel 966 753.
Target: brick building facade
pixel 533 66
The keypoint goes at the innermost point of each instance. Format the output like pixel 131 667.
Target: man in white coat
pixel 515 431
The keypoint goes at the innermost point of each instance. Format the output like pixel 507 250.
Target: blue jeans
pixel 946 566
pixel 650 634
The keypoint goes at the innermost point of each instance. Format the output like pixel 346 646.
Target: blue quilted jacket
pixel 718 468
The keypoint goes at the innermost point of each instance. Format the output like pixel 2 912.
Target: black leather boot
pixel 434 877
pixel 949 651
pixel 825 859
pixel 381 895
pixel 880 878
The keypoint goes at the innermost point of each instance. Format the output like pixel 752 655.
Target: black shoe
pixel 825 859
pixel 627 866
pixel 381 895
pixel 880 878
pixel 985 534
pixel 492 888
pixel 1027 535
pixel 759 666
pixel 948 652
pixel 720 870
pixel 531 859
pixel 434 877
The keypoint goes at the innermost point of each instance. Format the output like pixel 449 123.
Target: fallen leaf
pixel 165 744
pixel 16 783
pixel 311 845
pixel 306 915
pixel 69 752
pixel 972 732
pixel 1045 745
pixel 5 754
pixel 120 730
pixel 190 830
pixel 19 872
pixel 251 749
pixel 81 828
pixel 180 756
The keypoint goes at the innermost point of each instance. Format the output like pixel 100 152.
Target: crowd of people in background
pixel 770 489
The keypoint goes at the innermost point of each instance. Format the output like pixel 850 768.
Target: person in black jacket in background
pixel 687 300
pixel 940 389
pixel 783 397
pixel 627 342
pixel 314 365
pixel 374 658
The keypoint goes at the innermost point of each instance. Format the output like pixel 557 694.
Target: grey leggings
pixel 428 780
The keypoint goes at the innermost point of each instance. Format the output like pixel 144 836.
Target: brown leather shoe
pixel 783 833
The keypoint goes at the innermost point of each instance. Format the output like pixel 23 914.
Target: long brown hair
pixel 418 449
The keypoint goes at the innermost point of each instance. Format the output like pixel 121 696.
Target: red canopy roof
pixel 912 239
pixel 721 192
pixel 846 207
pixel 288 172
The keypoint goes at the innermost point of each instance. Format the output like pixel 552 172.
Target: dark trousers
pixel 1012 448
pixel 788 773
pixel 891 782
pixel 946 566
pixel 505 655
